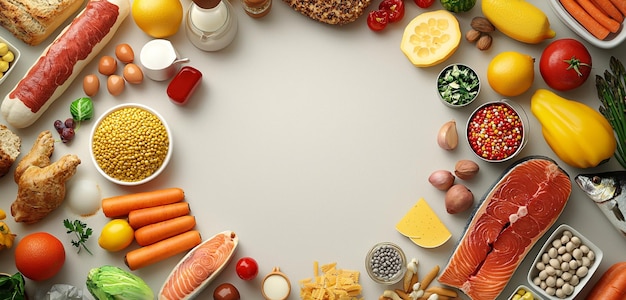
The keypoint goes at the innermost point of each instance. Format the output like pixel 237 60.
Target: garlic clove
pixel 448 138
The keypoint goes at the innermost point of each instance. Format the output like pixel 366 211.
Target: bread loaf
pixel 10 145
pixel 333 12
pixel 32 21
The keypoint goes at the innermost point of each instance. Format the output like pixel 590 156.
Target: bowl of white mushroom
pixel 564 265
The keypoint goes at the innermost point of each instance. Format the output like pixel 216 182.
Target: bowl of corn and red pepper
pixel 497 131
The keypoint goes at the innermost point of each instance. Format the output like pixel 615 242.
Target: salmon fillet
pixel 198 266
pixel 513 215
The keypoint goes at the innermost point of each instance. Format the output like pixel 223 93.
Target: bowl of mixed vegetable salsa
pixel 458 85
pixel 497 131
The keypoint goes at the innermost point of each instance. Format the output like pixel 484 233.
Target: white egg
pixel 83 196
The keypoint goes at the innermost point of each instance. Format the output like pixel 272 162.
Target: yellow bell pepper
pixel 579 135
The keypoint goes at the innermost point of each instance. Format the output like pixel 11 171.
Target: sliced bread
pixel 32 21
pixel 10 145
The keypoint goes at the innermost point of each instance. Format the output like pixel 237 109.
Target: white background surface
pixel 310 141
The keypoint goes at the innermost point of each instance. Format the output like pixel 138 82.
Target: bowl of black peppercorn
pixel 385 263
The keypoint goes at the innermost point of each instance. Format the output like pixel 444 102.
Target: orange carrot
pixel 153 233
pixel 587 21
pixel 600 16
pixel 621 5
pixel 146 216
pixel 610 9
pixel 145 256
pixel 612 284
pixel 119 206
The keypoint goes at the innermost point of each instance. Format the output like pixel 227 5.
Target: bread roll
pixel 32 21
pixel 333 12
pixel 10 145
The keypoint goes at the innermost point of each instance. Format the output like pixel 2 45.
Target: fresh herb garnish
pixel 81 231
pixel 12 287
pixel 612 93
pixel 82 109
pixel 458 84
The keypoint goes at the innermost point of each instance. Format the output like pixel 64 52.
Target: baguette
pixel 32 21
pixel 60 63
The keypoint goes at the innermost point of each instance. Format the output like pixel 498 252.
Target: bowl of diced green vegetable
pixel 458 85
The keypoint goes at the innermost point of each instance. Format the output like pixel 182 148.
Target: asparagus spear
pixel 611 91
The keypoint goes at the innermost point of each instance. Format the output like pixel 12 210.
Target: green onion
pixel 611 91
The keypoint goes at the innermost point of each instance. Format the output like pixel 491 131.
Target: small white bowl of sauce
pixel 276 285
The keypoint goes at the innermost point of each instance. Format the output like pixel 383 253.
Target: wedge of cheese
pixel 423 227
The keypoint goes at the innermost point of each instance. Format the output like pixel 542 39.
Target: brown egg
pixel 115 84
pixel 133 74
pixel 125 53
pixel 91 84
pixel 107 65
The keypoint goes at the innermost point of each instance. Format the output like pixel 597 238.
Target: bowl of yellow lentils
pixel 130 144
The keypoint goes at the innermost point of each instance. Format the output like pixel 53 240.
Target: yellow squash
pixel 431 38
pixel 518 19
pixel 578 134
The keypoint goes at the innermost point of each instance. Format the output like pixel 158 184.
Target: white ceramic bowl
pixel 525 289
pixel 558 232
pixel 140 180
pixel 16 54
pixel 612 41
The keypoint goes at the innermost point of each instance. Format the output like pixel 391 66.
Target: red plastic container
pixel 183 85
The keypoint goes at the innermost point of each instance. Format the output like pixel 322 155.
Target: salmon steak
pixel 517 210
pixel 199 267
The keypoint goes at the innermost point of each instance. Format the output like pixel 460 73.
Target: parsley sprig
pixel 81 231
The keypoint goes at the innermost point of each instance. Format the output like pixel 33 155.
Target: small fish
pixel 608 191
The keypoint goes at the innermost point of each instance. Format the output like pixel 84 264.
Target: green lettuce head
pixel 113 283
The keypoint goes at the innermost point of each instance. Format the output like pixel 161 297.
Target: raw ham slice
pixel 513 215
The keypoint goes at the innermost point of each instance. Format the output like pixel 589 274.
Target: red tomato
pixel 565 64
pixel 247 268
pixel 377 20
pixel 394 9
pixel 424 3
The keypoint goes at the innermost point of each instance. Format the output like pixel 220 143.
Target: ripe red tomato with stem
pixel 394 9
pixel 247 268
pixel 424 3
pixel 377 20
pixel 565 64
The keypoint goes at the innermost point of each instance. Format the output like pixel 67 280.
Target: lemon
pixel 158 18
pixel 511 73
pixel 116 235
pixel 3 214
pixel 518 19
pixel 431 38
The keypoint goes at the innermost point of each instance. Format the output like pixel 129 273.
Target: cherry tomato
pixel 565 64
pixel 424 3
pixel 377 20
pixel 247 268
pixel 394 9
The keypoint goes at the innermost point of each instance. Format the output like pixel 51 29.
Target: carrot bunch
pixel 598 17
pixel 162 223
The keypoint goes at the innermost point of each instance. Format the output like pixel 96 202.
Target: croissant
pixel 40 182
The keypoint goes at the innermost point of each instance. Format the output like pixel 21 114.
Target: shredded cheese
pixel 331 284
